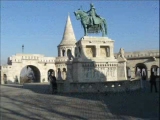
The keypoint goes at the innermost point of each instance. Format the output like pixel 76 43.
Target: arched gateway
pixel 30 74
pixel 27 68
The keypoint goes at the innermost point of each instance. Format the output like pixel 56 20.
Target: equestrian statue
pixel 91 22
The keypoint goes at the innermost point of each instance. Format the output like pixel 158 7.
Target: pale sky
pixel 39 25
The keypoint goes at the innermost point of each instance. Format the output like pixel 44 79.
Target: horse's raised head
pixel 76 13
pixel 79 11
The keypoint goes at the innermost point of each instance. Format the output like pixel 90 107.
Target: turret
pixel 67 44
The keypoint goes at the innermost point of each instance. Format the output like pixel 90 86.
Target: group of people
pixel 152 81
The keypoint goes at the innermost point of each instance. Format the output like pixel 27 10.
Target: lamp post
pixel 22 48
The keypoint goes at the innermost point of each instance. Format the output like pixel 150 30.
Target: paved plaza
pixel 18 103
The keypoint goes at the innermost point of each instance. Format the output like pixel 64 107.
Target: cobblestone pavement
pixel 18 103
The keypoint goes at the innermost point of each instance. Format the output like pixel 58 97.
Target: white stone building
pixel 88 60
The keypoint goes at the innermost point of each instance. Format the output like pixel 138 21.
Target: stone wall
pixel 111 86
pixel 18 61
pixel 95 87
pixel 148 59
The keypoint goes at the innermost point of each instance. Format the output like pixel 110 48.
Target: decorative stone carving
pixel 121 55
pixel 102 52
pixel 89 52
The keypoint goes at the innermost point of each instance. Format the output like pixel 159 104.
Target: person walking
pixel 153 81
pixel 53 83
pixel 144 77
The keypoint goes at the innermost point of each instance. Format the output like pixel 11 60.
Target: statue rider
pixel 92 13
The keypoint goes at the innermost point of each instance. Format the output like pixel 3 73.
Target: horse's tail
pixel 105 26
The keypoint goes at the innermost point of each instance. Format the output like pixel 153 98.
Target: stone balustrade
pixel 46 60
pixel 110 86
pixel 141 54
pixel 18 58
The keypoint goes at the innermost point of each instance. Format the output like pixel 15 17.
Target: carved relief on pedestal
pixel 102 52
pixel 99 72
pixel 90 51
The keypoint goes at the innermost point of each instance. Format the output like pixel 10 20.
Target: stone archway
pixel 30 74
pixel 141 69
pixel 63 52
pixel 69 54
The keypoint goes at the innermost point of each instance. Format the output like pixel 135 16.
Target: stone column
pixel 56 75
pixel 97 51
pixel 55 72
pixel 111 51
pixel 60 52
pixel 67 51
pixel 83 51
pixel 73 50
pixel 125 71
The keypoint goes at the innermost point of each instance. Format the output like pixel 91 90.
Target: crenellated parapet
pixel 141 54
pixel 6 67
pixel 20 58
pixel 48 60
pixel 61 59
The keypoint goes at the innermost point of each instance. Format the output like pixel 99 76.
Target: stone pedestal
pixel 95 61
pixel 95 48
pixel 122 72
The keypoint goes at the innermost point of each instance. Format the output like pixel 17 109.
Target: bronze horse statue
pixel 99 25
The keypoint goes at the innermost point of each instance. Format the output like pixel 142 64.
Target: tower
pixel 67 44
pixel 66 50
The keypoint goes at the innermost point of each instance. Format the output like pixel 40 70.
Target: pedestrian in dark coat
pixel 53 83
pixel 153 81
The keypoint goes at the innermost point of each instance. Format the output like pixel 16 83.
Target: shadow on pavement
pixel 135 104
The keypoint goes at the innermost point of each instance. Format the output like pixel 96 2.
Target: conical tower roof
pixel 68 35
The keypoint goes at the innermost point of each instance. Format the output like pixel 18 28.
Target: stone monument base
pixel 95 61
